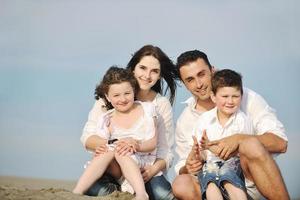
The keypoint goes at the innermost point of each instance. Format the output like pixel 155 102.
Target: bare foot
pixel 141 197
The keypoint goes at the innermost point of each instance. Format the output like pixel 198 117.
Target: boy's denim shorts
pixel 220 171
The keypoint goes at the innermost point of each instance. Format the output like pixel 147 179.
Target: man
pixel 257 163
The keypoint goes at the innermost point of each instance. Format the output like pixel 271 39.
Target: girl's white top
pixel 165 127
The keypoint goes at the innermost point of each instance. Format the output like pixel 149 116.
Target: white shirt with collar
pixel 263 118
pixel 237 123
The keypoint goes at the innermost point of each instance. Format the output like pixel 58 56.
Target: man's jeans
pixel 157 188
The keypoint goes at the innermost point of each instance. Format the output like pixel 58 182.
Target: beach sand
pixel 42 189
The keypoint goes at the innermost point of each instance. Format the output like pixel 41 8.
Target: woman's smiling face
pixel 147 72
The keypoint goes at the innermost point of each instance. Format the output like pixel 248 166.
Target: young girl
pixel 127 119
pixel 151 67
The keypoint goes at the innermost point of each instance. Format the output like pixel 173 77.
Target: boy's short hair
pixel 226 78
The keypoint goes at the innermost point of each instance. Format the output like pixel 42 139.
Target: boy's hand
pixel 194 163
pixel 196 149
pixel 204 141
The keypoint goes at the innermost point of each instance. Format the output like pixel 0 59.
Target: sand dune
pixel 41 189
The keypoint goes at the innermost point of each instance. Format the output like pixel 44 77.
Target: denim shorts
pixel 220 171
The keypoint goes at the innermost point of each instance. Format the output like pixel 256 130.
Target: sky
pixel 53 53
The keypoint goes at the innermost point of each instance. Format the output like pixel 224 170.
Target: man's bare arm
pixel 273 143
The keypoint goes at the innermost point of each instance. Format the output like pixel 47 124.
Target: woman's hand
pixel 126 146
pixel 147 172
pixel 100 150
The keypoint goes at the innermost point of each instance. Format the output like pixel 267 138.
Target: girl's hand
pixel 100 150
pixel 126 146
pixel 132 143
pixel 147 172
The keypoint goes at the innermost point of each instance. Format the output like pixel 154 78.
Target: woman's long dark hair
pixel 167 68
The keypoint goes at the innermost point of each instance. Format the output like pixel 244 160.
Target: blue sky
pixel 53 53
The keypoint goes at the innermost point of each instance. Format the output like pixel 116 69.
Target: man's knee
pixel 252 149
pixel 180 181
pixel 183 187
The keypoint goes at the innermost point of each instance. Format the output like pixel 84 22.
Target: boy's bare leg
pixel 132 174
pixel 234 192
pixel 186 187
pixel 93 172
pixel 213 192
pixel 259 167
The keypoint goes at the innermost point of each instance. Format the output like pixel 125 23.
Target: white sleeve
pixel 90 127
pixel 165 130
pixel 198 128
pixel 248 126
pixel 150 112
pixel 183 146
pixel 264 117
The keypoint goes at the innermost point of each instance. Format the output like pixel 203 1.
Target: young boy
pixel 219 178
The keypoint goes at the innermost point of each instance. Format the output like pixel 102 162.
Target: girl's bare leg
pixel 131 172
pixel 93 172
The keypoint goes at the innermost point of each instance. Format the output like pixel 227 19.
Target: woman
pixel 150 65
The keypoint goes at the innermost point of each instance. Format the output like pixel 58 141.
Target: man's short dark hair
pixel 191 56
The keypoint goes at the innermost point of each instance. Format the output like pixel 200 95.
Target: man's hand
pixel 226 146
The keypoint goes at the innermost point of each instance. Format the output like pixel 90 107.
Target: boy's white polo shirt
pixel 238 123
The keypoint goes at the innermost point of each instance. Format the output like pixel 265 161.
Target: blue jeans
pixel 219 172
pixel 157 187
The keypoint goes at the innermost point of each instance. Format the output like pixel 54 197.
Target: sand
pixel 41 189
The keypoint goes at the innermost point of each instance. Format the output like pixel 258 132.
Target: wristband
pixel 112 141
